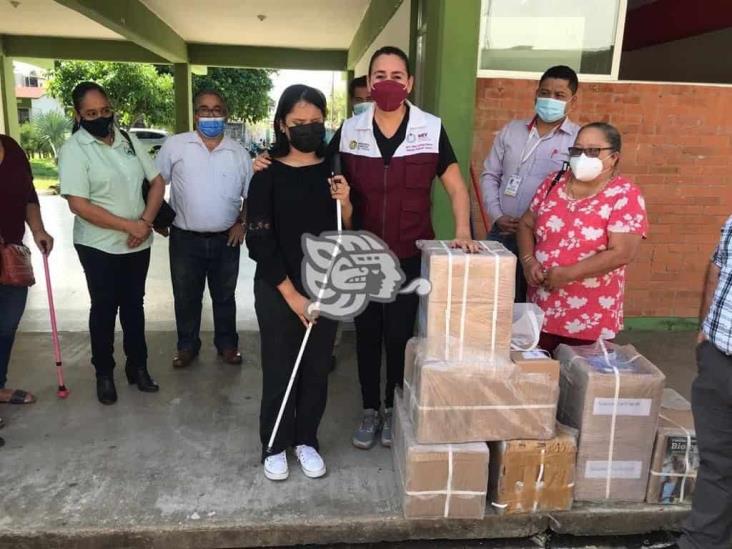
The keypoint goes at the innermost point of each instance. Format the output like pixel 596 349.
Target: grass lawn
pixel 45 173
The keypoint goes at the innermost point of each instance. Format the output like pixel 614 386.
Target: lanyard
pixel 526 154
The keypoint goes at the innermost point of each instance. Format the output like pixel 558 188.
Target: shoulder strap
pixel 560 173
pixel 129 140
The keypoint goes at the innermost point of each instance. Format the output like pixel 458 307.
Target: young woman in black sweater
pixel 295 195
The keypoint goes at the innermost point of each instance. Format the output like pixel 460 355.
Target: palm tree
pixel 52 127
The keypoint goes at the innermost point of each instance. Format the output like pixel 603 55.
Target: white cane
pixel 336 171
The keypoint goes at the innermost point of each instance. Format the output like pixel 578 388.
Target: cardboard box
pixel 527 476
pixel 675 456
pixel 438 481
pixel 476 401
pixel 615 407
pixel 469 311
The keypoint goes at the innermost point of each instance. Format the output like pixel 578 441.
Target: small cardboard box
pixel 441 480
pixel 527 476
pixel 675 456
pixel 614 403
pixel 474 401
pixel 469 311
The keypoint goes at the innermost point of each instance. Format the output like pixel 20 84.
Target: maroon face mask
pixel 389 95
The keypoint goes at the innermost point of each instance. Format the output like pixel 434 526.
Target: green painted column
pixel 350 75
pixel 446 35
pixel 183 97
pixel 8 104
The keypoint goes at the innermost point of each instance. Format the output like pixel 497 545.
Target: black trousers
pixel 281 334
pixel 116 282
pixel 710 524
pixel 387 325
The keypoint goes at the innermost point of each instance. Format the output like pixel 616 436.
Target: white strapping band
pixel 688 473
pixel 448 309
pixel 494 320
pixel 464 305
pixel 614 418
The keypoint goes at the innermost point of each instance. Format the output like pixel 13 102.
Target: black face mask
pixel 308 137
pixel 99 127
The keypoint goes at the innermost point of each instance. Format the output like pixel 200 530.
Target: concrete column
pixel 445 37
pixel 8 104
pixel 183 97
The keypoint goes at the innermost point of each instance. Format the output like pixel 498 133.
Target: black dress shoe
pixel 106 391
pixel 141 378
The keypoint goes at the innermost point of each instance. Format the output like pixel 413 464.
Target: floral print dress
pixel 568 231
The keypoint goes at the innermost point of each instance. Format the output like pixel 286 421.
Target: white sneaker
pixel 275 467
pixel 310 461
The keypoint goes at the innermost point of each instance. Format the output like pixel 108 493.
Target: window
pixel 530 36
pixel 31 82
pixel 23 115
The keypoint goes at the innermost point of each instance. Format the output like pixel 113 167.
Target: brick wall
pixel 677 146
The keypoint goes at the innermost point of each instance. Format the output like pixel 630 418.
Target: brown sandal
pixel 19 397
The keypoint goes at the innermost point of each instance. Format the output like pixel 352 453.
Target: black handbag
pixel 166 214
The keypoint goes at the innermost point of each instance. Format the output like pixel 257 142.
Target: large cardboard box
pixel 614 403
pixel 469 311
pixel 477 401
pixel 438 481
pixel 527 476
pixel 675 456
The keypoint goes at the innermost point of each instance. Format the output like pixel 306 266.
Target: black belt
pixel 203 235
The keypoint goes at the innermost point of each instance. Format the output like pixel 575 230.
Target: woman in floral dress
pixel 582 229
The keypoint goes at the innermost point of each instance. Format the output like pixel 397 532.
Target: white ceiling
pixel 47 18
pixel 288 23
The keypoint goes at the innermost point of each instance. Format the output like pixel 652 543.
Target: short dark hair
pixel 289 98
pixel 611 134
pixel 79 93
pixel 359 82
pixel 390 50
pixel 209 91
pixel 563 72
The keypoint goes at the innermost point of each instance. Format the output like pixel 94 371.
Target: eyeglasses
pixel 93 114
pixel 591 152
pixel 206 111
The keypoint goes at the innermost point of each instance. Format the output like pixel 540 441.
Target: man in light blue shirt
pixel 525 152
pixel 209 175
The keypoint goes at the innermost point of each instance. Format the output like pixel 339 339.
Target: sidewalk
pixel 180 469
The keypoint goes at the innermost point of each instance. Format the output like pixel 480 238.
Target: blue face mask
pixel 360 108
pixel 550 110
pixel 211 127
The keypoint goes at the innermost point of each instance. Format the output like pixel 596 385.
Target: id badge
pixel 514 182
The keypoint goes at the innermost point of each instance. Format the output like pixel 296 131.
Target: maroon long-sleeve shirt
pixel 16 191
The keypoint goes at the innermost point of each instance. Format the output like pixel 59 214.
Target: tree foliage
pixel 139 94
pixel 52 127
pixel 31 140
pixel 142 94
pixel 246 90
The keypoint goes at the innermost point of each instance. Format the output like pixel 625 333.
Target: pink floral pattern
pixel 568 231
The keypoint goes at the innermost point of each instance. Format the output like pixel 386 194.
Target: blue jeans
pixel 194 259
pixel 509 241
pixel 12 305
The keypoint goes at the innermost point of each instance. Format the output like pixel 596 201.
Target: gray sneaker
pixel 386 429
pixel 365 435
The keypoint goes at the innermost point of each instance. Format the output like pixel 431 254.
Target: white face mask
pixel 585 168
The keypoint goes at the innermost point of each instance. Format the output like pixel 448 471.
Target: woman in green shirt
pixel 101 174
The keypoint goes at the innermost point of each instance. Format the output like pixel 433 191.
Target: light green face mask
pixel 360 108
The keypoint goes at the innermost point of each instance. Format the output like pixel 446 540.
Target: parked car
pixel 151 138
